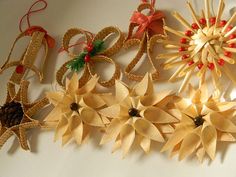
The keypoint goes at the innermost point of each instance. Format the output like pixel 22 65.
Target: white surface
pixel 49 159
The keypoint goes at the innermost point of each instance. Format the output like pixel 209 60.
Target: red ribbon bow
pixel 50 40
pixel 152 22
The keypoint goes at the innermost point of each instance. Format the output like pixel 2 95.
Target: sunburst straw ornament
pixel 204 122
pixel 209 43
pixel 138 113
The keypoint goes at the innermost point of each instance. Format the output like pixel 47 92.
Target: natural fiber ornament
pixel 137 113
pixel 143 31
pixel 204 122
pixel 16 113
pixel 75 110
pixel 208 44
pixel 95 51
pixel 39 38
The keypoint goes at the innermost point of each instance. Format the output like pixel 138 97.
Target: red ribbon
pixel 148 22
pixel 49 39
pixel 152 2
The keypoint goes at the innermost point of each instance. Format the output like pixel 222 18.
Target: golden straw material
pixel 103 56
pixel 75 110
pixel 133 113
pixel 16 113
pixel 28 57
pixel 204 122
pixel 208 44
pixel 145 42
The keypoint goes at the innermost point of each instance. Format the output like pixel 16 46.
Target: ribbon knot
pixel 150 23
pixel 50 40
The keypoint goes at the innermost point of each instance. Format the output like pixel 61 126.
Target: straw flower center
pixel 74 107
pixel 198 121
pixel 133 112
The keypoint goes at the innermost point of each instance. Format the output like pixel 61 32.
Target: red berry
pixel 229 28
pixel 87 58
pixel 89 47
pixel 200 66
pixel 195 26
pixel 211 66
pixel 190 63
pixel 213 20
pixel 228 54
pixel 183 40
pixel 181 49
pixel 221 62
pixel 185 57
pixel 232 45
pixel 223 23
pixel 202 21
pixel 232 36
pixel 20 69
pixel 188 33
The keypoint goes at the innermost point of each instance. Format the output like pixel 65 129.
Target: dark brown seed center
pixel 74 106
pixel 198 121
pixel 133 112
pixel 11 114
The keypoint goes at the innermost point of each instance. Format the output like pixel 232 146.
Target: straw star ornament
pixel 75 110
pixel 204 122
pixel 208 44
pixel 16 114
pixel 137 113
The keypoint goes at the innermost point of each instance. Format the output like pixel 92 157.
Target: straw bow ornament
pixel 95 51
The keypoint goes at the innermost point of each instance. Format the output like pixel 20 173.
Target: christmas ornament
pixel 16 114
pixel 133 113
pixel 75 110
pixel 208 44
pixel 144 30
pixel 95 51
pixel 204 122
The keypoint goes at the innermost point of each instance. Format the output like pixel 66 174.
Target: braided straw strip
pixel 88 71
pixel 28 58
pixel 146 45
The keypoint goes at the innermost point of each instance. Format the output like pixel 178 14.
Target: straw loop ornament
pixel 141 30
pixel 75 110
pixel 95 51
pixel 208 44
pixel 204 122
pixel 133 113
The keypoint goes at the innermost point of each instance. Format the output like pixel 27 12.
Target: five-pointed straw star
pixel 208 44
pixel 16 114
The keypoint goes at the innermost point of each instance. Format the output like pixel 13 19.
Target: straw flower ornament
pixel 208 44
pixel 137 113
pixel 204 121
pixel 75 110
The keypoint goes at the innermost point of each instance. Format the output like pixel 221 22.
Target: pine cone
pixel 11 114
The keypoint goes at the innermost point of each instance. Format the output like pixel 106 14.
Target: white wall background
pixel 49 159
